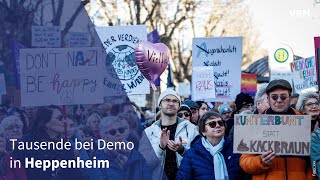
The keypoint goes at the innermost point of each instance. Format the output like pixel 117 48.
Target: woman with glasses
pixel 50 126
pixel 13 129
pixel 210 155
pixel 308 104
pixel 124 163
pixel 184 112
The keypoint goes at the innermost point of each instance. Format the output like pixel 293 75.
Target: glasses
pixel 18 127
pixel 168 101
pixel 276 97
pixel 186 114
pixel 310 105
pixel 247 106
pixel 213 124
pixel 113 132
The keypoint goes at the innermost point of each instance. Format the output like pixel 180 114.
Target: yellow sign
pixel 281 55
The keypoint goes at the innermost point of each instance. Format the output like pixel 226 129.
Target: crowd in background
pixel 179 133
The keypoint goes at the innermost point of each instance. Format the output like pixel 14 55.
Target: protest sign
pixel 304 74
pixel 61 76
pixel 119 43
pixel 3 89
pixel 78 39
pixel 280 57
pixel 282 134
pixel 202 83
pixel 249 84
pixel 224 55
pixel 184 89
pixel 46 36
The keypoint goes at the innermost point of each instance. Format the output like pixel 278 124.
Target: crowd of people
pixel 182 140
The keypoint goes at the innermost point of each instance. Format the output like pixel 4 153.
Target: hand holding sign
pixel 151 59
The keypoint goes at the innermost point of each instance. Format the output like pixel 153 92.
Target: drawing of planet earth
pixel 121 64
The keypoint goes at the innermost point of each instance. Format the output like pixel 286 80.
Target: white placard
pixel 46 36
pixel 184 89
pixel 203 83
pixel 280 57
pixel 282 134
pixel 61 76
pixel 119 43
pixel 3 88
pixel 304 73
pixel 78 39
pixel 139 100
pixel 225 56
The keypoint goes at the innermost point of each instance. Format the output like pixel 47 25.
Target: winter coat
pixel 197 162
pixel 12 173
pixel 150 141
pixel 315 152
pixel 134 168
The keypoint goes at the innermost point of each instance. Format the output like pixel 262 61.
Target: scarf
pixel 220 168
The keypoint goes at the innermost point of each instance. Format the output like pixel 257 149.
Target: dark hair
pixel 208 115
pixel 86 130
pixel 44 115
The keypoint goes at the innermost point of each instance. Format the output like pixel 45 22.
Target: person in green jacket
pixel 315 152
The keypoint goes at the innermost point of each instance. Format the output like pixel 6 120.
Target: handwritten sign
pixel 304 73
pixel 225 56
pixel 46 36
pixel 202 83
pixel 282 134
pixel 78 39
pixel 249 84
pixel 61 76
pixel 119 43
pixel 3 89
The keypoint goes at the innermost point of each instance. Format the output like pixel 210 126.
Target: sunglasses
pixel 213 124
pixel 186 114
pixel 113 132
pixel 276 96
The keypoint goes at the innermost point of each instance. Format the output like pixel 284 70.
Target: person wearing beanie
pixel 243 102
pixel 225 111
pixel 194 109
pixel 170 137
pixel 268 165
pixel 184 112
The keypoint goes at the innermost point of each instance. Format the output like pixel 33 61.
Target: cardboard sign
pixel 61 76
pixel 304 74
pixel 46 36
pixel 202 83
pixel 119 43
pixel 225 56
pixel 282 134
pixel 249 84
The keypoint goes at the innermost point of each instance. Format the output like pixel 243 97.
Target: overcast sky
pixel 293 22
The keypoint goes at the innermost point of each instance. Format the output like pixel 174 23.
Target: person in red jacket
pixel 269 166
